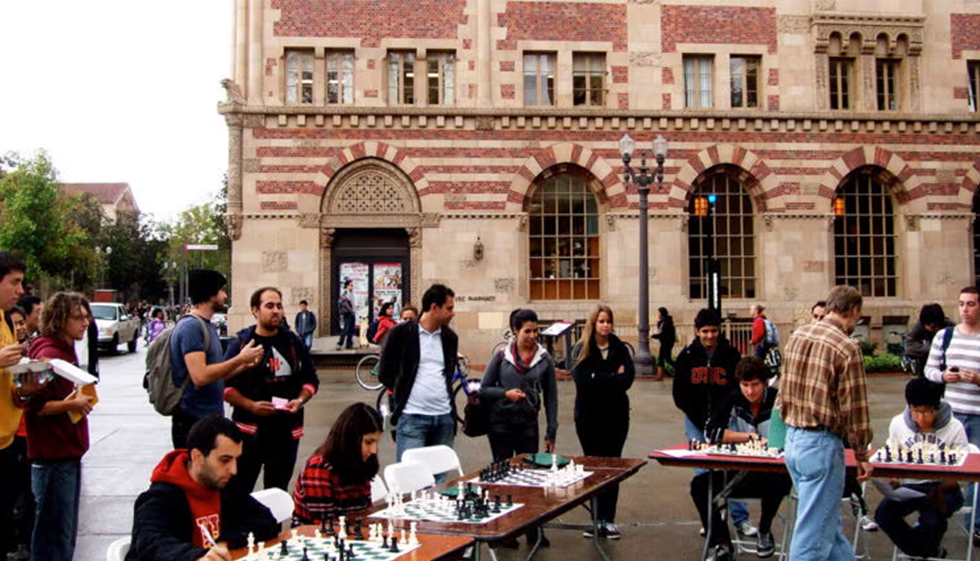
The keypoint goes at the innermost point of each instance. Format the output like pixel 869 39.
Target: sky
pixel 120 91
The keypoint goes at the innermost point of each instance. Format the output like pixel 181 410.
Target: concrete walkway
pixel 656 516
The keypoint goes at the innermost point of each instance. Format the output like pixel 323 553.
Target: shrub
pixel 868 348
pixel 894 349
pixel 885 363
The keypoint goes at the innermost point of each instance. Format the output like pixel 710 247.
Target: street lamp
pixel 643 360
pixel 103 264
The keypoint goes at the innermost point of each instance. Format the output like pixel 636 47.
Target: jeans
pixel 308 341
pixel 815 460
pixel 771 488
pixel 416 431
pixel 738 509
pixel 923 539
pixel 272 449
pixel 972 425
pixel 56 486
pixel 347 330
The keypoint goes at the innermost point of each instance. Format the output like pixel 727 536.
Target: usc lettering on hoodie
pixel 703 383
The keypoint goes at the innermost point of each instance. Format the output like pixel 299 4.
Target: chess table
pixel 432 548
pixel 680 456
pixel 540 505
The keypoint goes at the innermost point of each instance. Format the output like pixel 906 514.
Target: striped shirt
pixel 823 384
pixel 963 352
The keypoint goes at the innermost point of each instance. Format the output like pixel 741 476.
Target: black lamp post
pixel 643 179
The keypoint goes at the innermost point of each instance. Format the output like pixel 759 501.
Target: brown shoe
pixel 660 374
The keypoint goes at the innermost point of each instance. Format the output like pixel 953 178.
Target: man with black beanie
pixel 195 352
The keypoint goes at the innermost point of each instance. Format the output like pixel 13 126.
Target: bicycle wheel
pixel 460 396
pixel 366 372
pixel 498 347
pixel 629 348
pixel 384 406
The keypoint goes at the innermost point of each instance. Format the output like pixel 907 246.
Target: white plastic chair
pixel 439 458
pixel 279 503
pixel 118 549
pixel 378 489
pixel 408 477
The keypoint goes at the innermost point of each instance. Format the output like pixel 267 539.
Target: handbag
pixel 476 414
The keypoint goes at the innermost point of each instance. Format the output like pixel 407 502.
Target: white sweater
pixel 947 430
pixel 964 352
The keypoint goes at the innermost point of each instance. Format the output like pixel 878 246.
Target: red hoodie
pixel 54 437
pixel 205 503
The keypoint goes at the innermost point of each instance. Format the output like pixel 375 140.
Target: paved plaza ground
pixel 656 515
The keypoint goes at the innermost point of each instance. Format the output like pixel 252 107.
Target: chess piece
pixel 358 530
pixel 342 532
pixel 510 500
pixel 394 545
pixel 412 537
pixel 401 535
pixel 306 556
pixel 329 524
pixel 283 549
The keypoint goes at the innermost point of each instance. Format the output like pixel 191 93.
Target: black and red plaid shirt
pixel 319 494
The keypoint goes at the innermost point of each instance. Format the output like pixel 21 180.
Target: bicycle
pixel 366 372
pixel 505 340
pixel 462 388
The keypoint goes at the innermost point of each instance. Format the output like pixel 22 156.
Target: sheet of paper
pixel 280 403
pixel 682 453
pixel 901 494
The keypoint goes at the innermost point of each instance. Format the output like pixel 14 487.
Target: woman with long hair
pixel 385 322
pixel 603 374
pixel 337 478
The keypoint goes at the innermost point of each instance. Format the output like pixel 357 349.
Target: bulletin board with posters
pixel 378 262
pixel 387 287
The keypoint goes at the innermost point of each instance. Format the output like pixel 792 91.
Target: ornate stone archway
pixel 369 193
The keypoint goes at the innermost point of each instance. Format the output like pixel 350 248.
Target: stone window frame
pixel 869 37
pixel 589 73
pixel 748 61
pixel 297 95
pixel 542 288
pixel 445 88
pixel 334 57
pixel 695 90
pixel 870 261
pixel 842 72
pixel 973 84
pixel 539 79
pixel 888 80
pixel 747 257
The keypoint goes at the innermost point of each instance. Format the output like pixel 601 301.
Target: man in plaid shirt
pixel 824 399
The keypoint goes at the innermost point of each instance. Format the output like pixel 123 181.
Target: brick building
pixel 475 142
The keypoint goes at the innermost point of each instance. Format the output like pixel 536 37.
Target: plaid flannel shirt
pixel 823 384
pixel 319 494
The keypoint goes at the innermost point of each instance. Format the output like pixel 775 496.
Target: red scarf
pixel 205 503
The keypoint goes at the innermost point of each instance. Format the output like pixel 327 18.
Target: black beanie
pixel 204 283
pixel 920 391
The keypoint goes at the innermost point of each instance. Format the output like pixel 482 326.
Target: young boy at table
pixel 927 419
pixel 743 417
pixel 337 478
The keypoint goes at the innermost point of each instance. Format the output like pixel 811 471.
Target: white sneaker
pixel 702 532
pixel 868 525
pixel 747 529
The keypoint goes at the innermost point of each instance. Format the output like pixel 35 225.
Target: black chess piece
pixel 942 456
pixel 358 530
pixel 510 500
pixel 330 531
pixel 918 460
pixel 394 545
pixel 350 551
pixel 306 556
pixel 283 549
pixel 888 453
pixel 384 541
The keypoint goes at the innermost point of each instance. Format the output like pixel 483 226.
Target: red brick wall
pixel 620 74
pixel 964 33
pixel 717 24
pixel 370 20
pixel 563 21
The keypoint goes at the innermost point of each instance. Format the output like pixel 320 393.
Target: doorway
pixel 378 262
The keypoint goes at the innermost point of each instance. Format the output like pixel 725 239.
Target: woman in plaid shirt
pixel 337 478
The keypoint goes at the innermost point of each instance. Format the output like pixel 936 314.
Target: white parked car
pixel 115 326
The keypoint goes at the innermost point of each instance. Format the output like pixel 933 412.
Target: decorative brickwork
pixel 371 93
pixel 278 205
pixel 620 74
pixel 371 20
pixel 370 64
pixel 508 91
pixel 718 24
pixel 623 100
pixel 507 66
pixel 667 75
pixel 773 102
pixel 961 93
pixel 666 101
pixel 270 66
pixel 773 77
pixel 563 21
pixel 964 33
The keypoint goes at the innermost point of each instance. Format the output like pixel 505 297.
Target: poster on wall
pixel 358 274
pixel 387 287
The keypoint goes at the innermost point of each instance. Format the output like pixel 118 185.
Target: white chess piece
pixel 342 534
pixel 412 538
pixel 251 546
pixel 294 536
pixel 554 462
pixel 401 536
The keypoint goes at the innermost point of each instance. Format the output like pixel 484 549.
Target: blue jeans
pixel 923 539
pixel 738 509
pixel 56 487
pixel 347 331
pixel 972 425
pixel 815 460
pixel 416 431
pixel 308 341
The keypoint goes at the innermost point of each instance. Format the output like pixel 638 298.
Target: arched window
pixel 563 230
pixel 976 236
pixel 864 236
pixel 729 235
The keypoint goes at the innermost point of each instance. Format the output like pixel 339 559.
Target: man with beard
pixel 269 398
pixel 189 513
pixel 191 360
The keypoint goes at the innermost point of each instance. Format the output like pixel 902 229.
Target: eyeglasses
pixel 81 317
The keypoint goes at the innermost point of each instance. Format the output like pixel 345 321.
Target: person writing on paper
pixel 55 444
pixel 927 420
pixel 336 480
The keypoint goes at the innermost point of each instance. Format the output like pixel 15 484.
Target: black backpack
pixel 372 331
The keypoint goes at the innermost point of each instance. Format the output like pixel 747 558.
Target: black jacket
pixel 736 414
pixel 400 363
pixel 162 524
pixel 667 333
pixel 600 393
pixel 700 385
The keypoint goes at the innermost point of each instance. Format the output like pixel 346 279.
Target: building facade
pixel 476 143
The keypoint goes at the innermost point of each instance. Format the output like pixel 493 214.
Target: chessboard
pixel 439 508
pixel 300 548
pixel 752 448
pixel 920 454
pixel 515 475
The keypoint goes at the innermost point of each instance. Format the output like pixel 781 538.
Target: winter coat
pixel 702 385
pixel 600 391
pixel 536 380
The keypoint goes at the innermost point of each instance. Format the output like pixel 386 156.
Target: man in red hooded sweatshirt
pixel 187 514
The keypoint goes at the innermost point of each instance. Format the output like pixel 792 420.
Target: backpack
pixel 947 339
pixel 476 414
pixel 772 334
pixel 372 330
pixel 158 381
